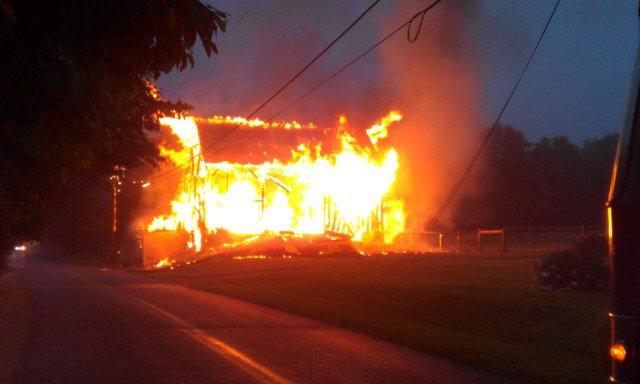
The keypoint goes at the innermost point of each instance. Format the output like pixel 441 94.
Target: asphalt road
pixel 104 326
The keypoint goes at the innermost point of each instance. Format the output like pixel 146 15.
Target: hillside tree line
pixel 551 182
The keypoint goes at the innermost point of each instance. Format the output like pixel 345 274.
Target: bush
pixel 592 249
pixel 583 268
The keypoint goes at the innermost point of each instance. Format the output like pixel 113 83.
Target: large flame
pixel 254 123
pixel 346 191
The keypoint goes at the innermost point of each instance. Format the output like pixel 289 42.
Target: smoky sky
pixel 576 85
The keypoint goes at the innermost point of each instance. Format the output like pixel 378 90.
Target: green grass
pixel 15 314
pixel 477 309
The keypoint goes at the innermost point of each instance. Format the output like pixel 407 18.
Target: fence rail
pixel 534 239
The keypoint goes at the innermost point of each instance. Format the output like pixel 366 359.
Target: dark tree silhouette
pixel 76 94
pixel 549 183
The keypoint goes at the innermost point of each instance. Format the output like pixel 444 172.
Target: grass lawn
pixel 14 324
pixel 479 309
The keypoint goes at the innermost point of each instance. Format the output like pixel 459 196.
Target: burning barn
pixel 295 182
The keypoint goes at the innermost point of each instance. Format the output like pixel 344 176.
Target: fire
pixel 253 123
pixel 163 223
pixel 380 130
pixel 163 263
pixel 346 191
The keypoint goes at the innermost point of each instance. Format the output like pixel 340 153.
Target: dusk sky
pixel 576 85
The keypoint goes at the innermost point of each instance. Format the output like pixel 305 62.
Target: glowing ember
pixel 347 191
pixel 163 263
pixel 380 130
pixel 250 257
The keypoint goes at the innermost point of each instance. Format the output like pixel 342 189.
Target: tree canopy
pixel 77 97
pixel 552 182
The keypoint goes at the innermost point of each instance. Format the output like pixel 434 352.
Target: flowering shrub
pixel 583 268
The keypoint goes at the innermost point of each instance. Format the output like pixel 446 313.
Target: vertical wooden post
pixel 115 181
pixel 324 213
pixel 262 206
pixel 382 217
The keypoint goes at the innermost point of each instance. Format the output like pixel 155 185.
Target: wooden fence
pixel 527 239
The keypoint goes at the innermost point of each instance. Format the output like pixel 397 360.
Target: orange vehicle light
pixel 618 352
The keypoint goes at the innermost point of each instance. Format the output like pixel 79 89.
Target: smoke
pixel 435 85
pixel 433 82
pixel 274 42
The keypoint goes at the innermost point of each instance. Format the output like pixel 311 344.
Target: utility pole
pixel 116 185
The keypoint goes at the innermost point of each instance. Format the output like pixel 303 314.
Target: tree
pixel 556 167
pixel 77 97
pixel 502 183
pixel 598 157
pixel 549 183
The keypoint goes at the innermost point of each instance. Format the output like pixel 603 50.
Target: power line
pixel 301 71
pixel 420 14
pixel 290 81
pixel 360 56
pixel 315 58
pixel 452 194
pixel 226 35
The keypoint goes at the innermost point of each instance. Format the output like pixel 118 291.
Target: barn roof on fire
pixel 256 141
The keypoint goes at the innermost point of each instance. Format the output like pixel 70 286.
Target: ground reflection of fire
pixel 345 191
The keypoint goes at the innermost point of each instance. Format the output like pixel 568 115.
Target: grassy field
pixel 477 309
pixel 14 320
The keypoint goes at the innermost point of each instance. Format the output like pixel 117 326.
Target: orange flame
pixel 347 191
pixel 380 130
pixel 253 123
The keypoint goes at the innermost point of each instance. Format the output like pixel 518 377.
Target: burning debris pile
pixel 297 185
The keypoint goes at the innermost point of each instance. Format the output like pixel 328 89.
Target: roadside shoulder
pixel 15 320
